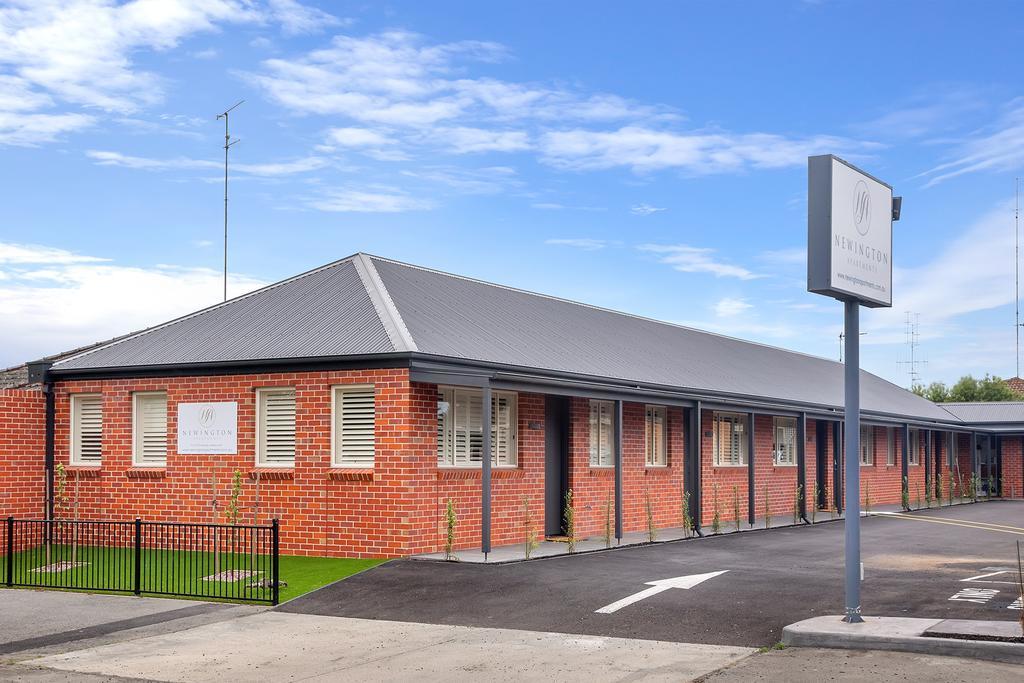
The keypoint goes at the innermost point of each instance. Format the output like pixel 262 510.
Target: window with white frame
pixel 655 436
pixel 149 428
pixel 460 433
pixel 86 429
pixel 867 445
pixel 784 444
pixel 730 442
pixel 890 446
pixel 275 432
pixel 602 422
pixel 915 447
pixel 354 435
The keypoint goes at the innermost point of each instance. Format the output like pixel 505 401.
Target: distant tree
pixel 969 389
pixel 936 392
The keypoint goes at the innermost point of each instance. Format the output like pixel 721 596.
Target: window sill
pixel 85 471
pixel 657 470
pixel 146 472
pixel 783 465
pixel 476 472
pixel 350 474
pixel 742 466
pixel 272 473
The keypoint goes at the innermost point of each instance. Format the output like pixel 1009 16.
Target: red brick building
pixel 352 401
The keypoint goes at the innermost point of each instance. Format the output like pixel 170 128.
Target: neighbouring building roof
pixel 987 413
pixel 1016 385
pixel 369 305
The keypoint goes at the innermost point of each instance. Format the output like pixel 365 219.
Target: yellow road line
pixel 953 522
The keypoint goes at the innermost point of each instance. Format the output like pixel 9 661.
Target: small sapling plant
pixel 687 519
pixel 716 519
pixel 767 508
pixel 569 521
pixel 450 521
pixel 905 495
pixel 608 520
pixel 736 507
pixel 796 503
pixel 652 532
pixel 529 533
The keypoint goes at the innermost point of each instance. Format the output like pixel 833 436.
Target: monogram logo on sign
pixel 862 208
pixel 207 416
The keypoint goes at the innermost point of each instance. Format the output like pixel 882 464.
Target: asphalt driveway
pixel 948 563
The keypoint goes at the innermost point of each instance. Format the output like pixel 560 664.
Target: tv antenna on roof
pixel 228 144
pixel 913 341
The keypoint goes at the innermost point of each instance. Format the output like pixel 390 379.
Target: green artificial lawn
pixel 172 572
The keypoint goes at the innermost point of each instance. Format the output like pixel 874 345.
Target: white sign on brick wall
pixel 208 428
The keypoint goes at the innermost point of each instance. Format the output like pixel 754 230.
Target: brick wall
pixel 22 453
pixel 1013 462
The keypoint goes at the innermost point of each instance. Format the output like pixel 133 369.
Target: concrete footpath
pixel 908 635
pixel 273 646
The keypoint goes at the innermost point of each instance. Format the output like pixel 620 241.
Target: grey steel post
pixel 751 481
pixel 801 464
pixel 905 466
pixel 975 467
pixel 852 417
pixel 928 463
pixel 617 430
pixel 837 473
pixel 693 458
pixel 485 479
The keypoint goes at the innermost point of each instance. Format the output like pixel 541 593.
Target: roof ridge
pixel 189 316
pixel 387 311
pixel 608 310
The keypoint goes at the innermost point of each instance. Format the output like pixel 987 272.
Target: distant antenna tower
pixel 228 144
pixel 1016 264
pixel 913 341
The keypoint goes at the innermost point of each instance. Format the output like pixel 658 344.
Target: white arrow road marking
pixel 685 582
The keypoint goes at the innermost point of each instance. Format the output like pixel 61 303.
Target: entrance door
pixel 556 461
pixel 821 462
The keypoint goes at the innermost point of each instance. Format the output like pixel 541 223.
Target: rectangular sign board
pixel 849 233
pixel 208 428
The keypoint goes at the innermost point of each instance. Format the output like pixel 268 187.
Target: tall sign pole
pixel 227 147
pixel 849 257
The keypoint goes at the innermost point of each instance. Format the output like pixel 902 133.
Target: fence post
pixel 10 551
pixel 138 556
pixel 274 565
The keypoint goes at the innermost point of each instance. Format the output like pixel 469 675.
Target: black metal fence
pixel 210 561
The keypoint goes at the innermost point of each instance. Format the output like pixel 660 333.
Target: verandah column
pixel 617 444
pixel 485 477
pixel 693 458
pixel 801 463
pixel 837 469
pixel 904 464
pixel 928 462
pixel 751 481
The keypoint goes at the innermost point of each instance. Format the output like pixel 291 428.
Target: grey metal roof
pixel 325 312
pixel 367 304
pixel 983 413
pixel 462 318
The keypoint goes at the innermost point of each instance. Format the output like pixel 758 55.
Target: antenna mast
pixel 913 341
pixel 228 144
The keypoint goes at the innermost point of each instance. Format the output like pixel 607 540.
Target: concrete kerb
pixel 500 555
pixel 901 634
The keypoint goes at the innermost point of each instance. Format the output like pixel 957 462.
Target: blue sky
pixel 648 157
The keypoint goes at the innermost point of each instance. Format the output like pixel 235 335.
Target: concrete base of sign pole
pixel 905 634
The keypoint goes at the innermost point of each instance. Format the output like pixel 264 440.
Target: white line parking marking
pixel 684 582
pixel 980 596
pixel 979 577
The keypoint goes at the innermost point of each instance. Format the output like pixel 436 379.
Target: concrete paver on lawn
pixel 273 646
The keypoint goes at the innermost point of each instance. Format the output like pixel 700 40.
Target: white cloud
pixel 374 200
pixel 77 299
pixel 34 254
pixel 465 140
pixel 1001 148
pixel 358 137
pixel 85 54
pixel 791 256
pixel 555 206
pixel 584 243
pixel 297 19
pixel 645 149
pixel 488 180
pixel 687 259
pixel 645 209
pixel 270 169
pixel 728 307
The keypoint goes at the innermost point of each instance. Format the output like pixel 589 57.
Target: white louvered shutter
pixel 277 426
pixel 354 429
pixel 87 428
pixel 655 436
pixel 150 429
pixel 503 433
